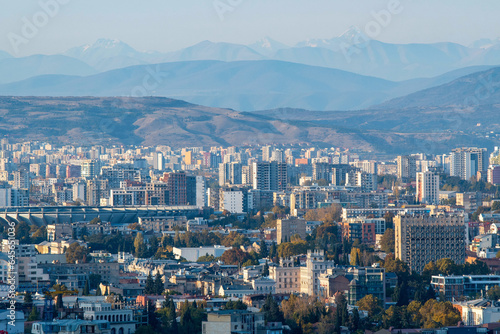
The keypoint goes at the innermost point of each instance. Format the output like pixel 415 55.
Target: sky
pixel 169 25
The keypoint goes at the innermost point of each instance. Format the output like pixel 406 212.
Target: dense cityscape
pixel 263 239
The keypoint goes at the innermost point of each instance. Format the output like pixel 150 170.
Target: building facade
pixel 425 238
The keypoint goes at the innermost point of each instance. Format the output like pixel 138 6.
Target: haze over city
pixel 171 25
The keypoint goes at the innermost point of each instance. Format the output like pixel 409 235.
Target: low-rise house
pixel 236 290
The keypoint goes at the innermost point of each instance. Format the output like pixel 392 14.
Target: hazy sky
pixel 168 25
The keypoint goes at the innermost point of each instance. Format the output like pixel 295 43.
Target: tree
pixel 235 256
pixel 265 271
pixel 439 314
pixel 400 295
pixel 139 246
pixel 75 253
pixel 206 258
pixel 168 317
pixel 94 281
pixel 235 305
pixel 263 253
pixel 159 286
pixel 84 232
pixel 86 288
pixel 355 256
pixel 288 249
pixel 272 311
pixel 40 235
pixel 149 289
pixel 371 304
pixel 152 319
pixel 23 232
pixel 146 330
pixel 354 320
pixel 389 217
pixel 34 315
pixel 387 243
pixel 273 252
pixel 494 292
pixel 28 300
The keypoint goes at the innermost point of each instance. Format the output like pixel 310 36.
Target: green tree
pixel 439 314
pixel 355 256
pixel 235 305
pixel 149 289
pixel 40 235
pixel 371 304
pixel 273 252
pixel 86 288
pixel 263 253
pixel 494 292
pixel 28 300
pixel 23 232
pixel 168 317
pixel 159 286
pixel 354 322
pixel 400 295
pixel 139 246
pixel 34 315
pixel 75 253
pixel 206 258
pixel 387 243
pixel 265 271
pixel 146 330
pixel 94 281
pixel 271 310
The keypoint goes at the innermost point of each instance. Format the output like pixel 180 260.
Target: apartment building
pixel 421 239
pixel 286 228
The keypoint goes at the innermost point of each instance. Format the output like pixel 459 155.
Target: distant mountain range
pixel 342 73
pixel 433 120
pixel 240 85
pixel 17 69
pixel 352 52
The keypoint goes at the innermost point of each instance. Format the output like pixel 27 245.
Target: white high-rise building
pixel 233 201
pixel 158 161
pixel 467 161
pixel 201 198
pixel 427 188
pixel 79 192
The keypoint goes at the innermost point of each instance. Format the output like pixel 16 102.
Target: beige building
pixel 421 239
pixel 57 231
pixel 286 228
pixel 293 278
pixel 316 265
pixel 286 276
